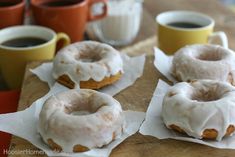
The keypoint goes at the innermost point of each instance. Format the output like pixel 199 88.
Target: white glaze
pixel 194 116
pixel 188 66
pixel 74 61
pixel 91 130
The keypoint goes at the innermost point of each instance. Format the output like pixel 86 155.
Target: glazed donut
pixel 204 62
pixel 90 64
pixel 77 121
pixel 202 109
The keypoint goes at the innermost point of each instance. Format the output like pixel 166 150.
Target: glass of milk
pixel 122 23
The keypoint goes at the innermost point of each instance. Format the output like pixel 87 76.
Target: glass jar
pixel 122 23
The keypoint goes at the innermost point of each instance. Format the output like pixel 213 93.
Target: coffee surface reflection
pixel 24 42
pixel 7 4
pixel 60 3
pixel 184 25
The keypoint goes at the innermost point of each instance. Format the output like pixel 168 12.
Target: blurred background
pixel 228 3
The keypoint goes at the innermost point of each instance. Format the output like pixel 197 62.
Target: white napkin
pixel 133 69
pixel 163 63
pixel 24 124
pixel 154 126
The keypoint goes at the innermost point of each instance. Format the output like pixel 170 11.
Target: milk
pixel 122 24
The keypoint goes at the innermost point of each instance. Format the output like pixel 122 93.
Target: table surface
pixel 139 145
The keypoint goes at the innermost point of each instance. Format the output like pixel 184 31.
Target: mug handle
pixel 218 36
pixel 64 38
pixel 92 17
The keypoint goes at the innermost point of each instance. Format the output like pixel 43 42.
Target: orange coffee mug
pixel 69 16
pixel 11 13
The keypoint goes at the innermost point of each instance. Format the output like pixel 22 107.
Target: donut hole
pixel 88 57
pixel 206 95
pixel 83 107
pixel 78 109
pixel 209 56
pixel 79 113
pixel 91 59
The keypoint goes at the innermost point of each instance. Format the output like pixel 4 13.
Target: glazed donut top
pixel 200 105
pixel 86 60
pixel 204 62
pixel 84 117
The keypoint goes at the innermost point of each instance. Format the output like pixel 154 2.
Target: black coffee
pixel 7 4
pixel 184 25
pixel 60 3
pixel 24 42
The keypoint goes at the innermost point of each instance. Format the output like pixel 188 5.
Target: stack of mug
pixel 56 23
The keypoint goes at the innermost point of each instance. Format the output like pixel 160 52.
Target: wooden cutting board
pixel 136 97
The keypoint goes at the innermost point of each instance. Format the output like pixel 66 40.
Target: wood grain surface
pixel 138 96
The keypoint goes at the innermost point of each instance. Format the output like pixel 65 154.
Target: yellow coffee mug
pixel 180 28
pixel 22 44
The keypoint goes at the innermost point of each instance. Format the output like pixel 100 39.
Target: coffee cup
pixel 11 13
pixel 22 44
pixel 68 16
pixel 180 28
